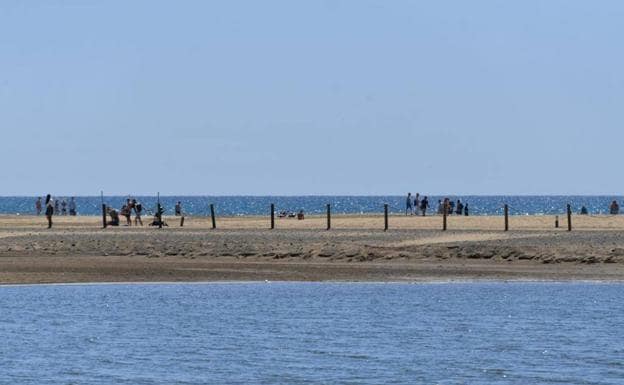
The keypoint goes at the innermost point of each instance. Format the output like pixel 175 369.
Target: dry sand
pixel 77 249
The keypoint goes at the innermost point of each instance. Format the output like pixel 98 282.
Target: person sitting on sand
pixel 584 211
pixel 114 217
pixel 300 215
pixel 49 202
pixel 614 209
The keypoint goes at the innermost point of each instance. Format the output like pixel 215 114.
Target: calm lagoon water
pixel 313 333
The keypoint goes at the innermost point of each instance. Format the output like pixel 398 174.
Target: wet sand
pixel 77 249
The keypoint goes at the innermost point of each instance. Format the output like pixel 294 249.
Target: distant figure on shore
pixel 178 209
pixel 300 215
pixel 466 209
pixel 114 217
pixel 440 207
pixel 56 206
pixel 72 206
pixel 38 206
pixel 424 205
pixel 408 204
pixel 450 207
pixel 138 208
pixel 49 202
pixel 584 211
pixel 64 207
pixel 459 208
pixel 614 209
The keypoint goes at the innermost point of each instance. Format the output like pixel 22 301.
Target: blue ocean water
pixel 259 205
pixel 313 333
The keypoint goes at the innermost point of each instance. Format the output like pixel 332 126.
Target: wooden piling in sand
pixel 272 216
pixel 569 210
pixel 328 216
pixel 506 217
pixel 104 216
pixel 444 213
pixel 385 217
pixel 212 216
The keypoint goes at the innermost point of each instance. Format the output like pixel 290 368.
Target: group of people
pixel 452 208
pixel 60 207
pixel 417 206
pixel 131 206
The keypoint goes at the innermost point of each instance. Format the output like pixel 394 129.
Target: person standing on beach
pixel 72 207
pixel 459 208
pixel 178 209
pixel 424 204
pixel 466 209
pixel 138 208
pixel 56 206
pixel 49 202
pixel 38 206
pixel 64 207
pixel 408 204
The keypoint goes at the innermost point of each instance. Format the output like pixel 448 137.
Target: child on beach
pixel 49 202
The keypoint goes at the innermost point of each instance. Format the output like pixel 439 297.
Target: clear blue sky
pixel 311 97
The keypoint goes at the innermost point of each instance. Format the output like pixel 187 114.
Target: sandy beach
pixel 77 249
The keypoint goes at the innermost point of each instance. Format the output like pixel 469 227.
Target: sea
pixel 313 333
pixel 260 205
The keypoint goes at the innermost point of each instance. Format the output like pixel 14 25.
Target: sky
pixel 311 97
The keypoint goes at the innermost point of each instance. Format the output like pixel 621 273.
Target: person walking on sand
pixel 417 204
pixel 408 204
pixel 49 202
pixel 424 204
pixel 178 209
pixel 38 206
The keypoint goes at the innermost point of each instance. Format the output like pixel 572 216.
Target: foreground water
pixel 307 333
pixel 259 205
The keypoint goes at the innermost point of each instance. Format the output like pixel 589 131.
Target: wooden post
pixel 104 216
pixel 212 216
pixel 182 221
pixel 272 216
pixel 159 208
pixel 385 217
pixel 444 218
pixel 506 218
pixel 569 217
pixel 556 221
pixel 328 216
